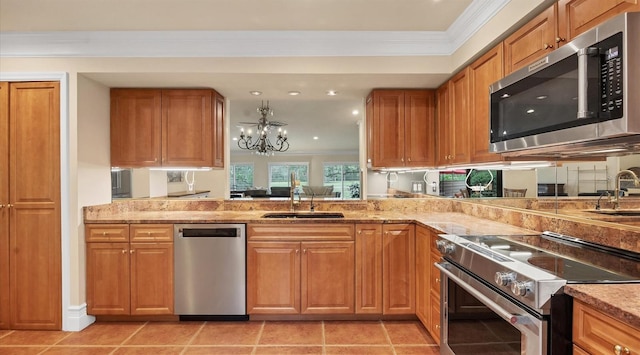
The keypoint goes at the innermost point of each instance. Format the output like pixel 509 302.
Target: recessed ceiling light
pixel 234 138
pixel 294 93
pixel 315 137
pixel 255 93
pixel 332 93
pixel 531 110
pixel 355 112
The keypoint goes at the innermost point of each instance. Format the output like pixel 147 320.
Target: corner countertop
pixel 620 301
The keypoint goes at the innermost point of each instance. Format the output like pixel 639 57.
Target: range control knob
pixel 503 278
pixel 522 288
pixel 445 247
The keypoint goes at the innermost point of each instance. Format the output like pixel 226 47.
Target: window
pixel 280 173
pixel 344 177
pixel 241 176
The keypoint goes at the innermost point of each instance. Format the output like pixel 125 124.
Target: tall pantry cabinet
pixel 30 260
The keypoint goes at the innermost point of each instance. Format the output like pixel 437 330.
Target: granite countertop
pixel 621 301
pixel 446 222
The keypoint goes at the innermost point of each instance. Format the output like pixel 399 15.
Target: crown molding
pixel 194 44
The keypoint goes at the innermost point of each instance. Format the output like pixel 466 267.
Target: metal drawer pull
pixel 619 350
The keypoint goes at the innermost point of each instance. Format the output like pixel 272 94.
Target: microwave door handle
pixel 583 82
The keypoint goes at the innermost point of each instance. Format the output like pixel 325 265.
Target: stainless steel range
pixel 504 294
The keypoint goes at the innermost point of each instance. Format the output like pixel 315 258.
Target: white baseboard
pixel 77 318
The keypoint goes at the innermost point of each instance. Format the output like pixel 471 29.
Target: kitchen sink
pixel 620 213
pixel 303 215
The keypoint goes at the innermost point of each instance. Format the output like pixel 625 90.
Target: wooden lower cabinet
pixel 423 270
pixel 597 333
pixel 126 278
pixel 368 268
pixel 435 285
pixel 398 271
pixel 300 277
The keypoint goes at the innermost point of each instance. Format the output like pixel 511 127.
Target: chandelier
pixel 262 145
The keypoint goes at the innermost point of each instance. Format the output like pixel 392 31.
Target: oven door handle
pixel 517 320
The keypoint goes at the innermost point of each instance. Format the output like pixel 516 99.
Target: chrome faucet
pixel 292 193
pixel 616 193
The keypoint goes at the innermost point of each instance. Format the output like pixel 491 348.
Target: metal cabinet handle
pixel 297 251
pixel 359 232
pixel 619 350
pixel 132 251
pixel 560 39
pixel 547 46
pixel 304 251
pixel 402 160
pixel 124 251
pixel 1 206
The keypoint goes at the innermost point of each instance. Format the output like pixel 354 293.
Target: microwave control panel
pixel 611 76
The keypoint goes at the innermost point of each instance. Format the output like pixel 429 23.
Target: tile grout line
pixel 257 342
pixel 193 337
pixel 386 334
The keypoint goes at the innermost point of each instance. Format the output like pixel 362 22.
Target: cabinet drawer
pixel 106 233
pixel 599 333
pixel 301 232
pixel 434 327
pixel 151 232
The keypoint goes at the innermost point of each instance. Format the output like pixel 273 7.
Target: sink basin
pixel 303 215
pixel 628 213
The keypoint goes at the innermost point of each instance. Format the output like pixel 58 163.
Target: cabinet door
pixel 327 278
pixel 434 292
pixel 135 127
pixel 34 212
pixel 531 41
pixel 273 278
pixel 482 73
pixel 423 270
pixel 443 126
pixel 4 200
pixel 151 232
pixel 398 271
pixel 598 333
pixel 369 268
pixel 151 278
pixel 460 129
pixel 577 16
pixel 108 286
pixel 218 129
pixel 419 128
pixel 187 128
pixel 369 122
pixel 388 128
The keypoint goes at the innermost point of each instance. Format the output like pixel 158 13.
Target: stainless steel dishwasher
pixel 210 271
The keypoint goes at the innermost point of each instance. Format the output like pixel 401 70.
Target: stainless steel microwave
pixel 583 98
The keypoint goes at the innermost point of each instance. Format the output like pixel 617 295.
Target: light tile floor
pixel 159 338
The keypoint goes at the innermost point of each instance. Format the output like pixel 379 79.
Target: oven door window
pixel 475 329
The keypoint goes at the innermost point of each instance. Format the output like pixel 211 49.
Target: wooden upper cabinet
pixel 443 142
pixel 482 73
pixel 578 16
pixel 187 128
pixel 419 128
pixel 218 130
pixel 135 127
pixel 387 135
pixel 400 128
pixel 532 41
pixel 459 120
pixel 174 128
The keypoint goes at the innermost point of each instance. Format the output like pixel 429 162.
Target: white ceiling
pixel 353 48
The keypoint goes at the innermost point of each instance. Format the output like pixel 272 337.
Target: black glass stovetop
pixel 569 258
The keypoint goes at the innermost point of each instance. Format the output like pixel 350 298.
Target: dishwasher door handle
pixel 209 233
